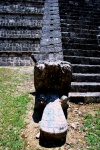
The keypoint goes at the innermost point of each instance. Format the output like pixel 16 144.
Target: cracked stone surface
pixel 52 76
pixel 53 123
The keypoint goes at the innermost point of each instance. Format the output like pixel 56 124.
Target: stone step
pixel 86 4
pixel 87 21
pixel 81 77
pixel 81 46
pixel 85 86
pixel 80 52
pixel 80 28
pixel 17 53
pixel 79 40
pixel 82 19
pixel 28 1
pixel 80 12
pixel 82 60
pixel 80 16
pixel 19 46
pixel 29 22
pixel 83 34
pixel 83 7
pixel 82 2
pixel 86 29
pixel 80 33
pixel 82 68
pixel 13 8
pixel 79 8
pixel 15 60
pixel 18 34
pixel 85 97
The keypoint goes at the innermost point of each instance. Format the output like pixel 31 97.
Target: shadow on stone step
pixel 77 100
pixel 52 142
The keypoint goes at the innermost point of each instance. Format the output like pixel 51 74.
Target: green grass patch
pixel 12 109
pixel 92 125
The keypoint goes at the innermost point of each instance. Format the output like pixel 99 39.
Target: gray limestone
pixel 53 123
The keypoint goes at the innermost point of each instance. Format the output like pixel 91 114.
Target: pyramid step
pixel 80 6
pixel 85 86
pixel 73 21
pixel 85 7
pixel 80 30
pixel 17 8
pixel 18 34
pixel 19 46
pixel 87 97
pixel 11 22
pixel 80 13
pixel 81 18
pixel 79 40
pixel 76 18
pixel 81 68
pixel 79 52
pixel 80 46
pixel 82 60
pixel 80 77
pixel 28 1
pixel 77 33
pixel 77 27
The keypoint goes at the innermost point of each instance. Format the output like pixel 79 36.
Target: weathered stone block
pixel 52 76
pixel 53 124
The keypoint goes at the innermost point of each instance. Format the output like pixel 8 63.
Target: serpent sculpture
pixel 52 81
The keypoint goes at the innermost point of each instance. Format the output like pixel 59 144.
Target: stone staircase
pixel 23 21
pixel 80 25
pixel 20 32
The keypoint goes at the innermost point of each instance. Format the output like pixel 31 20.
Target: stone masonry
pixel 68 30
pixel 20 32
pixel 80 28
pixel 51 44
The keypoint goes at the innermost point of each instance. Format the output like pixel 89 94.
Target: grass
pixel 92 125
pixel 12 108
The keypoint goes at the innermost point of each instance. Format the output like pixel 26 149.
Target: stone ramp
pixel 50 44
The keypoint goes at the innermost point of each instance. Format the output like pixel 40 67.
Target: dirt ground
pixel 75 136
